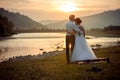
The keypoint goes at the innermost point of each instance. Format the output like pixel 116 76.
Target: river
pixel 36 43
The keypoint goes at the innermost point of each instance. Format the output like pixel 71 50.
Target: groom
pixel 71 28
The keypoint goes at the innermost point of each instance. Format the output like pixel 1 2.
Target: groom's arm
pixel 71 32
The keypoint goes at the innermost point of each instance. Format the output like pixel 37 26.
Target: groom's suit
pixel 70 38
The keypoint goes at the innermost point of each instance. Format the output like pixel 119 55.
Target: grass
pixel 55 68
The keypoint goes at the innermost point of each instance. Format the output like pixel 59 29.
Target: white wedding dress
pixel 82 50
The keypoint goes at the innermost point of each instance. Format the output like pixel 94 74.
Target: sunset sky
pixel 58 9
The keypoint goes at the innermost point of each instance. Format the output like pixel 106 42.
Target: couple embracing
pixel 77 48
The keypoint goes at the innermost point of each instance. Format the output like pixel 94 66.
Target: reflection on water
pixel 104 41
pixel 37 43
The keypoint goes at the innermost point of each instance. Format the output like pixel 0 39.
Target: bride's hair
pixel 78 20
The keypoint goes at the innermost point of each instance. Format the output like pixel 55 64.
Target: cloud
pixel 14 1
pixel 49 8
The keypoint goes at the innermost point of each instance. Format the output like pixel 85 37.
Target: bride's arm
pixel 82 28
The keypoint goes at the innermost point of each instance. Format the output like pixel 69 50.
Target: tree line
pixel 6 27
pixel 112 27
pixel 39 30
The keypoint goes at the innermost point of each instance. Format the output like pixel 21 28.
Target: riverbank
pixel 55 68
pixel 102 33
pixel 94 32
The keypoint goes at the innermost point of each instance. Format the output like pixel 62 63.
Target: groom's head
pixel 72 17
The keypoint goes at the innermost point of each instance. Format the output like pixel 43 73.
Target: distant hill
pixel 94 21
pixel 45 22
pixel 19 20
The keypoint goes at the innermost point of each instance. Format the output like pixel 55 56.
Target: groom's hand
pixel 71 32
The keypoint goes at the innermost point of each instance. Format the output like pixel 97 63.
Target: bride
pixel 82 50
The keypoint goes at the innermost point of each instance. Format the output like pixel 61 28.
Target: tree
pixel 6 27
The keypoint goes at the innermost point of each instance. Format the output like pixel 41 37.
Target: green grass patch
pixel 55 68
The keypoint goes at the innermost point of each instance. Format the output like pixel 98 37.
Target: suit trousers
pixel 70 40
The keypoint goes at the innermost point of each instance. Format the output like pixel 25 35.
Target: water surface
pixel 37 43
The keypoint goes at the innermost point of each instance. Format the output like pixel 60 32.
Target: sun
pixel 68 7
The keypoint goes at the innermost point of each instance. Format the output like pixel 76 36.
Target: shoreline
pixel 41 56
pixel 88 33
pixel 87 37
pixel 30 57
